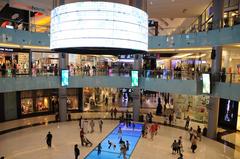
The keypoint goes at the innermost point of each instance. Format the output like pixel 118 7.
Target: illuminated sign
pixel 134 79
pixel 206 83
pixel 99 25
pixel 64 78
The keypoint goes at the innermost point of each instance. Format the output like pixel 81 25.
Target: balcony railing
pixel 158 74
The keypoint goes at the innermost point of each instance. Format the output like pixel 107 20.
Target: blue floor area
pixel 127 134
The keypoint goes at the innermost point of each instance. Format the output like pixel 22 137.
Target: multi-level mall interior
pixel 108 79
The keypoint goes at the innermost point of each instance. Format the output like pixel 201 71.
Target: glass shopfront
pixel 14 61
pixel 72 99
pixel 96 99
pixel 46 101
pixel 45 63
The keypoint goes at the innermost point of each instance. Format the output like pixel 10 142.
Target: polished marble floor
pixel 29 143
pixel 233 138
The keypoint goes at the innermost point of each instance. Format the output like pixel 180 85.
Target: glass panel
pixel 27 105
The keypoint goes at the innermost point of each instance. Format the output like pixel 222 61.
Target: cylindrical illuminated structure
pixel 99 27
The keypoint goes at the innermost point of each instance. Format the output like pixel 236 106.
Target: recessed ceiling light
pixel 151 2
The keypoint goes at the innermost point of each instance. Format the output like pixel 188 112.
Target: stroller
pixel 86 142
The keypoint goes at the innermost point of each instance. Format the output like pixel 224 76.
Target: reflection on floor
pixel 128 134
pixel 30 143
pixel 233 138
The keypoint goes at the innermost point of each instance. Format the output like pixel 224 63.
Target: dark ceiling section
pixel 21 16
pixel 167 54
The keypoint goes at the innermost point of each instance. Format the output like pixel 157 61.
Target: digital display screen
pixel 64 78
pixel 206 83
pixel 134 79
pixel 99 24
pixel 228 114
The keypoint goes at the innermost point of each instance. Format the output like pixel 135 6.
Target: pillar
pixel 200 23
pixel 2 112
pixel 80 100
pixel 213 108
pixel 62 92
pixel 30 63
pixel 136 90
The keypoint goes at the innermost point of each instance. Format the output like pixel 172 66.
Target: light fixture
pixel 9 45
pixel 36 47
pixel 98 26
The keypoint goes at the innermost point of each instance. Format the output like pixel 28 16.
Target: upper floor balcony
pixel 180 82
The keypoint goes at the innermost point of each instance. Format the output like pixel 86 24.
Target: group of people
pixel 151 128
pixel 5 67
pixel 113 113
pixel 83 139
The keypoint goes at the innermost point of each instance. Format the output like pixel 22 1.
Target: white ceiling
pixel 176 8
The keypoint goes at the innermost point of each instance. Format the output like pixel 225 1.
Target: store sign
pixel 99 25
pixel 6 49
pixel 134 78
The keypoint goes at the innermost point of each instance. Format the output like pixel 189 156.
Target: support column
pixel 213 111
pixel 200 23
pixel 213 108
pixel 30 63
pixel 62 92
pixel 136 91
pixel 80 100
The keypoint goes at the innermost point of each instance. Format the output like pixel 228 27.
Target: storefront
pixel 44 62
pixel 14 58
pixel 46 101
pixel 96 99
pixel 193 106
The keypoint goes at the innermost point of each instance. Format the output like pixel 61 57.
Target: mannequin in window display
pixel 69 102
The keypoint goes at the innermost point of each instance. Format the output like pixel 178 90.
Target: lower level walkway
pixel 30 143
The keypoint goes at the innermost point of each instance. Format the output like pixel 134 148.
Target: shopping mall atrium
pixel 128 79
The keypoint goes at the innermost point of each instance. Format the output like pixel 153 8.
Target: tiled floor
pixel 30 143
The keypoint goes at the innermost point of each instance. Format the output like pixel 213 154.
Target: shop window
pixel 42 104
pixel 27 106
pixel 72 102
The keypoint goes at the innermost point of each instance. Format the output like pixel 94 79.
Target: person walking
pixel 170 119
pixel 80 122
pixel 187 122
pixel 194 144
pixel 127 145
pixel 199 133
pixel 100 123
pixel 82 136
pixel 180 145
pixel 174 147
pixel 119 132
pixel 76 151
pixel 99 149
pixel 115 113
pixel 191 133
pixel 92 124
pixel 49 139
pixel 111 112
